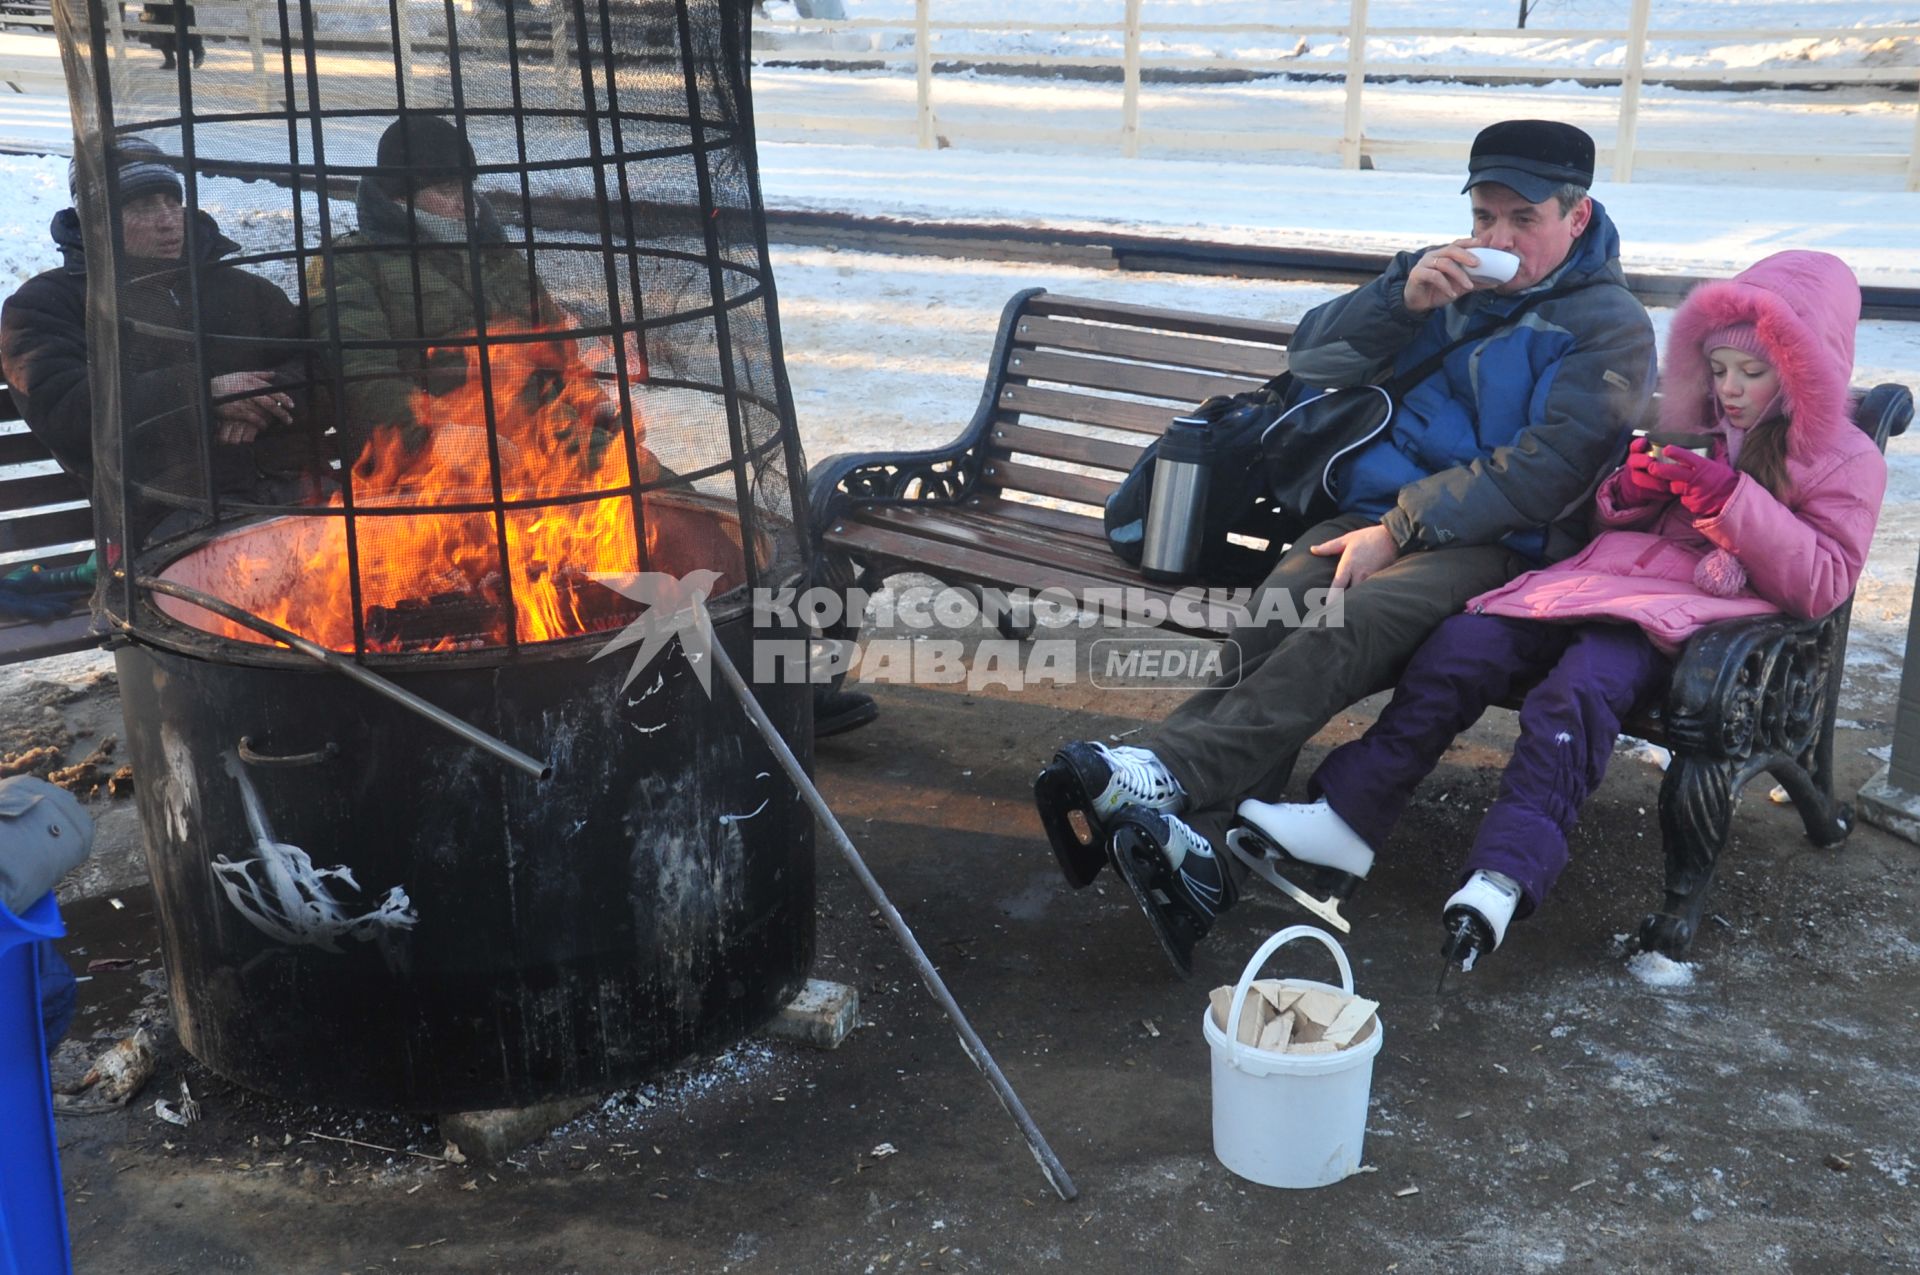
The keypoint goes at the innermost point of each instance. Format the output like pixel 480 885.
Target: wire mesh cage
pixel 408 319
pixel 408 324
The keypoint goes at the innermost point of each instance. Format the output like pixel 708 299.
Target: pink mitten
pixel 1704 484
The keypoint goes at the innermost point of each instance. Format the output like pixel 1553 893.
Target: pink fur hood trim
pixel 1805 306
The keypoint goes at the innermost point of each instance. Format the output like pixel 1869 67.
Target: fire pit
pixel 491 424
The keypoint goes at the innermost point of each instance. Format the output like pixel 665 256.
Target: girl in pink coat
pixel 1775 514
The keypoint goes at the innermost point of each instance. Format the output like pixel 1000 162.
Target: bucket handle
pixel 1267 949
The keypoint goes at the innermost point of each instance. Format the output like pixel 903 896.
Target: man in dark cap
pixel 1485 472
pixel 260 451
pixel 407 273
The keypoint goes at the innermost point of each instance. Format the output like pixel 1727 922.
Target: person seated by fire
pixel 262 450
pixel 413 415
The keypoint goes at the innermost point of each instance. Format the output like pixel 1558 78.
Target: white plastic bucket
pixel 1289 1120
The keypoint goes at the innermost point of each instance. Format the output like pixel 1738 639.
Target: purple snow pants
pixel 1595 674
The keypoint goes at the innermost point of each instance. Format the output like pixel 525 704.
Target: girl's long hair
pixel 1763 455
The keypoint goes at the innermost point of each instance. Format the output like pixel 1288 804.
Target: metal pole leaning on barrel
pixel 969 1039
pixel 347 668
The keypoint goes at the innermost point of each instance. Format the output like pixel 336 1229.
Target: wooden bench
pixel 45 518
pixel 1075 390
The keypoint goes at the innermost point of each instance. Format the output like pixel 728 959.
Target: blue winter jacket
pixel 1507 441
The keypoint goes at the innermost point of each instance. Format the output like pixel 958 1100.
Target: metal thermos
pixel 1176 515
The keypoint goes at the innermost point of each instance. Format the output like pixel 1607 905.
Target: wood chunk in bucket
pixel 1276 1035
pixel 1351 1021
pixel 1319 1007
pixel 1254 1015
pixel 1254 1018
pixel 1277 994
pixel 1296 1020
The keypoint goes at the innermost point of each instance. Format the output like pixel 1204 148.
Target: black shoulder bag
pixel 1272 465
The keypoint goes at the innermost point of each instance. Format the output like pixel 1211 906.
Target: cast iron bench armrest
pixel 944 475
pixel 1755 688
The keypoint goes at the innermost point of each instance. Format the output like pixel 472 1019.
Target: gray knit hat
pixel 144 169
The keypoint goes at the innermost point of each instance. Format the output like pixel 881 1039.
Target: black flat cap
pixel 1531 157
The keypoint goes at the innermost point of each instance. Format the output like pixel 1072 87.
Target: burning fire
pixel 433 580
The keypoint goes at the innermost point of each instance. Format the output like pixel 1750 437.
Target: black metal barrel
pixel 405 923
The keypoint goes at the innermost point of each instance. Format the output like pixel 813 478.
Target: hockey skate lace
pixel 1136 778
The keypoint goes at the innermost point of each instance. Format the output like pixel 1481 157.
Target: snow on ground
pixel 1245 123
pixel 1664 227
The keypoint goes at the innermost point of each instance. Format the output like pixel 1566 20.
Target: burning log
pixel 443 622
pixel 593 607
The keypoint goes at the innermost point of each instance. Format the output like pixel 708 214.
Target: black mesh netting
pixel 464 305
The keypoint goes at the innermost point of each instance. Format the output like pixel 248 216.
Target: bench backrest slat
pixel 18 444
pixel 1057 444
pixel 1188 322
pixel 1144 346
pixel 1176 385
pixel 1082 409
pixel 1076 368
pixel 1057 483
pixel 38 530
pixel 35 490
pixel 31 519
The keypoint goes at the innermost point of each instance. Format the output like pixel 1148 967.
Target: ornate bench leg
pixel 841 573
pixel 1696 814
pixel 996 609
pixel 1828 819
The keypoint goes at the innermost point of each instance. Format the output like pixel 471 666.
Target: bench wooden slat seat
pixel 42 514
pixel 1075 390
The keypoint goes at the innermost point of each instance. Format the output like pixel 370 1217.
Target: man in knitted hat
pixel 1483 473
pixel 259 449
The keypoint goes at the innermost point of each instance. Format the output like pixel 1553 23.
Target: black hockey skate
pixel 1180 893
pixel 1081 792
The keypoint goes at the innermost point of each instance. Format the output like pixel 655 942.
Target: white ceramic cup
pixel 1496 266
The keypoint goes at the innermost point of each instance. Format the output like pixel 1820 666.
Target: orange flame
pixel 432 580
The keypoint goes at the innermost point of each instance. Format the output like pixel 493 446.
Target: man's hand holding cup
pixel 1445 274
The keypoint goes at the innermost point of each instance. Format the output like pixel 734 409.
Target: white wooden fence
pixel 1358 69
pixel 254 26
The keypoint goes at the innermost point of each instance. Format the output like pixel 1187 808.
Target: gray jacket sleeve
pixel 1353 340
pixel 44 834
pixel 1598 392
